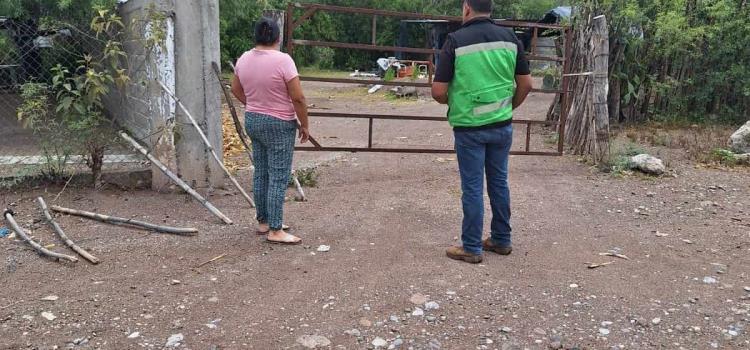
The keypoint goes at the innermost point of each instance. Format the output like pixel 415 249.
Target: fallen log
pixel 8 214
pixel 208 144
pixel 113 220
pixel 55 227
pixel 176 179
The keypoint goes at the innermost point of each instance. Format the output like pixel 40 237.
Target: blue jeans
pixel 483 152
pixel 273 150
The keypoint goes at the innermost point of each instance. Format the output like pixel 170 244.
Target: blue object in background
pixel 4 231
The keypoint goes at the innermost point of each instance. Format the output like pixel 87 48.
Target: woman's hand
pixel 304 134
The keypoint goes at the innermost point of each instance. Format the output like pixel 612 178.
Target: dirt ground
pixel 386 282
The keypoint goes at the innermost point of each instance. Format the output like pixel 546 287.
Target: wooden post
pixel 600 45
pixel 374 30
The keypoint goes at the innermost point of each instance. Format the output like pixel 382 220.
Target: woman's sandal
pixel 263 233
pixel 291 240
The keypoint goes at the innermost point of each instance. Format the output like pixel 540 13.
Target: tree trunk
pixel 96 162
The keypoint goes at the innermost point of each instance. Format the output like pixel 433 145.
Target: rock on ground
pixel 174 340
pixel 740 140
pixel 648 164
pixel 313 341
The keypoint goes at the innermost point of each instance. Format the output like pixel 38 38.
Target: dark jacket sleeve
pixel 446 62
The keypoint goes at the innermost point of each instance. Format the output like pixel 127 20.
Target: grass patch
pixel 307 177
pixel 619 161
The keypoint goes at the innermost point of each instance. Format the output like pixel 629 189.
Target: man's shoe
pixel 489 246
pixel 458 253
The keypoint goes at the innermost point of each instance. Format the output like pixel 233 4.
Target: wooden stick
pixel 176 179
pixel 20 232
pixel 208 145
pixel 212 260
pixel 242 134
pixel 122 221
pixel 86 255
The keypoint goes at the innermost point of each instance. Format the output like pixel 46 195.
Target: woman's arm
pixel 300 107
pixel 237 90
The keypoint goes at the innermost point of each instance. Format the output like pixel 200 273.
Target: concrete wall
pixel 183 63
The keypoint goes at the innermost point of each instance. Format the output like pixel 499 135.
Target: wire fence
pixel 30 50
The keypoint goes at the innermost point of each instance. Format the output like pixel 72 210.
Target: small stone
pixel 51 298
pixel 506 329
pixel 379 342
pixel 431 318
pixel 747 289
pixel 354 333
pixel 606 323
pixel 365 322
pixel 720 268
pixel 213 300
pixel 603 331
pixel 397 343
pixel 80 341
pixel 175 282
pixel 431 306
pixel 417 312
pixel 540 331
pixel 443 318
pixel 573 286
pixel 48 316
pixel 134 335
pixel 733 333
pixel 555 342
pixel 394 319
pixel 709 280
pixel 642 322
pixel 174 340
pixel 434 344
pixel 656 321
pixel 324 248
pixel 313 341
pixel 418 299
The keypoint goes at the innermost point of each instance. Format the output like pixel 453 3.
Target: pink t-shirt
pixel 263 75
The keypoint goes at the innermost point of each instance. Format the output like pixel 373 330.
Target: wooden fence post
pixel 600 43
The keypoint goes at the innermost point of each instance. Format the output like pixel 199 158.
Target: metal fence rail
pixel 308 12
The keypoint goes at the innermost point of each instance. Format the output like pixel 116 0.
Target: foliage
pixel 307 177
pixel 238 18
pixel 684 59
pixel 78 117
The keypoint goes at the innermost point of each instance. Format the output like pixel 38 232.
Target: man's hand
pixel 440 92
pixel 524 84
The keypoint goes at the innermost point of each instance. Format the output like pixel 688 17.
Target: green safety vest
pixel 482 89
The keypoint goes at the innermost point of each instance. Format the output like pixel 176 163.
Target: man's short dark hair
pixel 480 6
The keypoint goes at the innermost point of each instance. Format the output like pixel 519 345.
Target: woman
pixel 267 82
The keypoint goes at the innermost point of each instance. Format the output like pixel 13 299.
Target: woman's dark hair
pixel 267 31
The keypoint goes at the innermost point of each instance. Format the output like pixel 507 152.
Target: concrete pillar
pixel 183 63
pixel 196 46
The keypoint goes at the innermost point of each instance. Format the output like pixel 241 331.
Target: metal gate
pixel 293 21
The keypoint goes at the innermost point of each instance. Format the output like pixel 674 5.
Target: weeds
pixel 307 177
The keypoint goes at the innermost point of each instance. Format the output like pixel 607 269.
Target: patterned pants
pixel 273 150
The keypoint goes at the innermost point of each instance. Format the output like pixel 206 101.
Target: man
pixel 483 76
